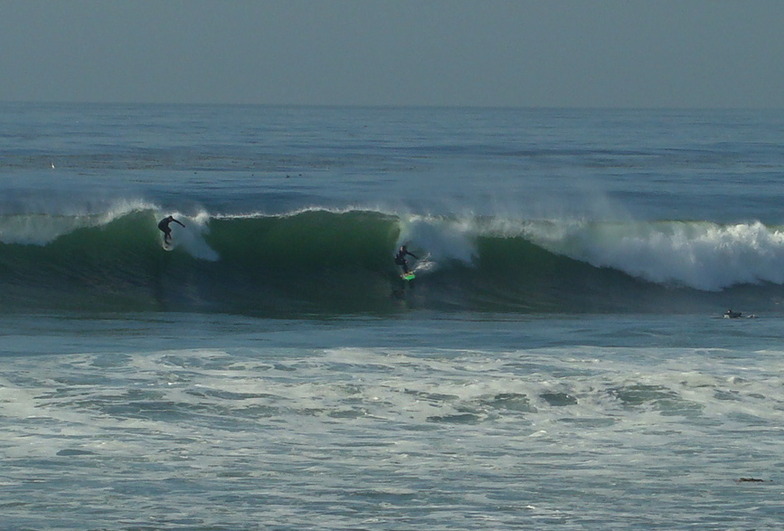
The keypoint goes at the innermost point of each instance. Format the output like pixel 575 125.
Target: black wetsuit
pixel 400 258
pixel 164 226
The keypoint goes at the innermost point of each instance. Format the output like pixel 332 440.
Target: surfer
pixel 729 314
pixel 400 258
pixel 164 226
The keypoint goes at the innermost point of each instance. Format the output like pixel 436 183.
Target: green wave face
pixel 320 262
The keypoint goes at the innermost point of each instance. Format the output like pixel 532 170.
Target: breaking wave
pixel 334 262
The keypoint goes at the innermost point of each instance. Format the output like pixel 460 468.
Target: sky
pixel 505 53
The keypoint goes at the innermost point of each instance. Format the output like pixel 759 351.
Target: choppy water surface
pixel 560 361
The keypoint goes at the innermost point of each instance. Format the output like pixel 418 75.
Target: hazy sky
pixel 555 53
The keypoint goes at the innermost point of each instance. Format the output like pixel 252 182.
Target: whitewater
pixel 561 360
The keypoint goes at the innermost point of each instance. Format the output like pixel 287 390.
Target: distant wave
pixel 334 262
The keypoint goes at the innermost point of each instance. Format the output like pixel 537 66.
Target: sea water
pixel 561 359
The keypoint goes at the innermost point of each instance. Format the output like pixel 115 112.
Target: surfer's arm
pixel 178 223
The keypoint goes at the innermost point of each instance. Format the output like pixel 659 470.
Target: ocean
pixel 561 360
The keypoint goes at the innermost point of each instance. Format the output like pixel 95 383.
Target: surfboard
pixel 408 276
pixel 167 246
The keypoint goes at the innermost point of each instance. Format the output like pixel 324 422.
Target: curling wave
pixel 325 262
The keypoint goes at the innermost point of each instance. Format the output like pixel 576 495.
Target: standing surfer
pixel 400 258
pixel 164 226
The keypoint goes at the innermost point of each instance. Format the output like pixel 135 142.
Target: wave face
pixel 320 262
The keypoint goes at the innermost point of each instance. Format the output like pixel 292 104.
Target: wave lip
pixel 41 228
pixel 697 254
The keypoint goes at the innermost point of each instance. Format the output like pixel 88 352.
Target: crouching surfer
pixel 400 258
pixel 164 226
